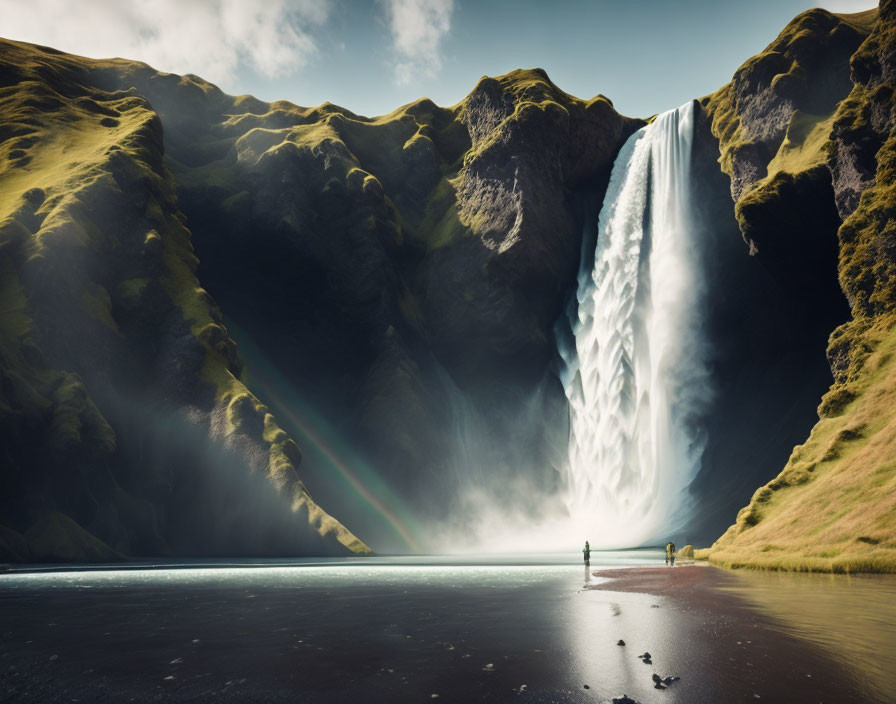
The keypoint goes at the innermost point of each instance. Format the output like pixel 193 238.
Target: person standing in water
pixel 586 551
pixel 670 553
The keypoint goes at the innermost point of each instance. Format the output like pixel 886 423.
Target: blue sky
pixel 374 55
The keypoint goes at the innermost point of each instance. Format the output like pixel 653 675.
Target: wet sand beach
pixel 401 632
pixel 732 642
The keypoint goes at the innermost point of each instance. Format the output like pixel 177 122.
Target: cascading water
pixel 637 381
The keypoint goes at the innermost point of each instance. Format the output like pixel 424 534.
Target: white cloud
pixel 211 38
pixel 847 6
pixel 418 28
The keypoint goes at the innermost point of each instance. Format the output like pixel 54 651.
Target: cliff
pixel 367 257
pixel 806 136
pixel 126 428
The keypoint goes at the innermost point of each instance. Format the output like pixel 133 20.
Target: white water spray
pixel 637 381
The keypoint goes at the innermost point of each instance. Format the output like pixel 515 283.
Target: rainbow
pixel 271 382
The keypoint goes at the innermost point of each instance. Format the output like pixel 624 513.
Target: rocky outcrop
pixel 775 114
pixel 532 147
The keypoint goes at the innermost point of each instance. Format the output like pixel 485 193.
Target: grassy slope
pixel 833 507
pixel 63 146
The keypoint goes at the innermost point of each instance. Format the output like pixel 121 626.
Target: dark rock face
pixel 791 225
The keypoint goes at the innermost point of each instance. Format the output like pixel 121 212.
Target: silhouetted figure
pixel 670 553
pixel 586 551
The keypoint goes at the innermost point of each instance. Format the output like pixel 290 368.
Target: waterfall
pixel 637 380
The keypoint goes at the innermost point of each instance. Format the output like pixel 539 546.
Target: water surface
pixel 374 629
pixel 853 617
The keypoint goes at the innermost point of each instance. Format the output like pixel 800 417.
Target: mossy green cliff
pixel 806 133
pixel 367 255
pixel 106 335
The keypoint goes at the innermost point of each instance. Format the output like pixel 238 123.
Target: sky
pixel 371 56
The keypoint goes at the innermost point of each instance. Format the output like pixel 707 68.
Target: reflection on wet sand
pixel 853 617
pixel 608 631
pixel 722 646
